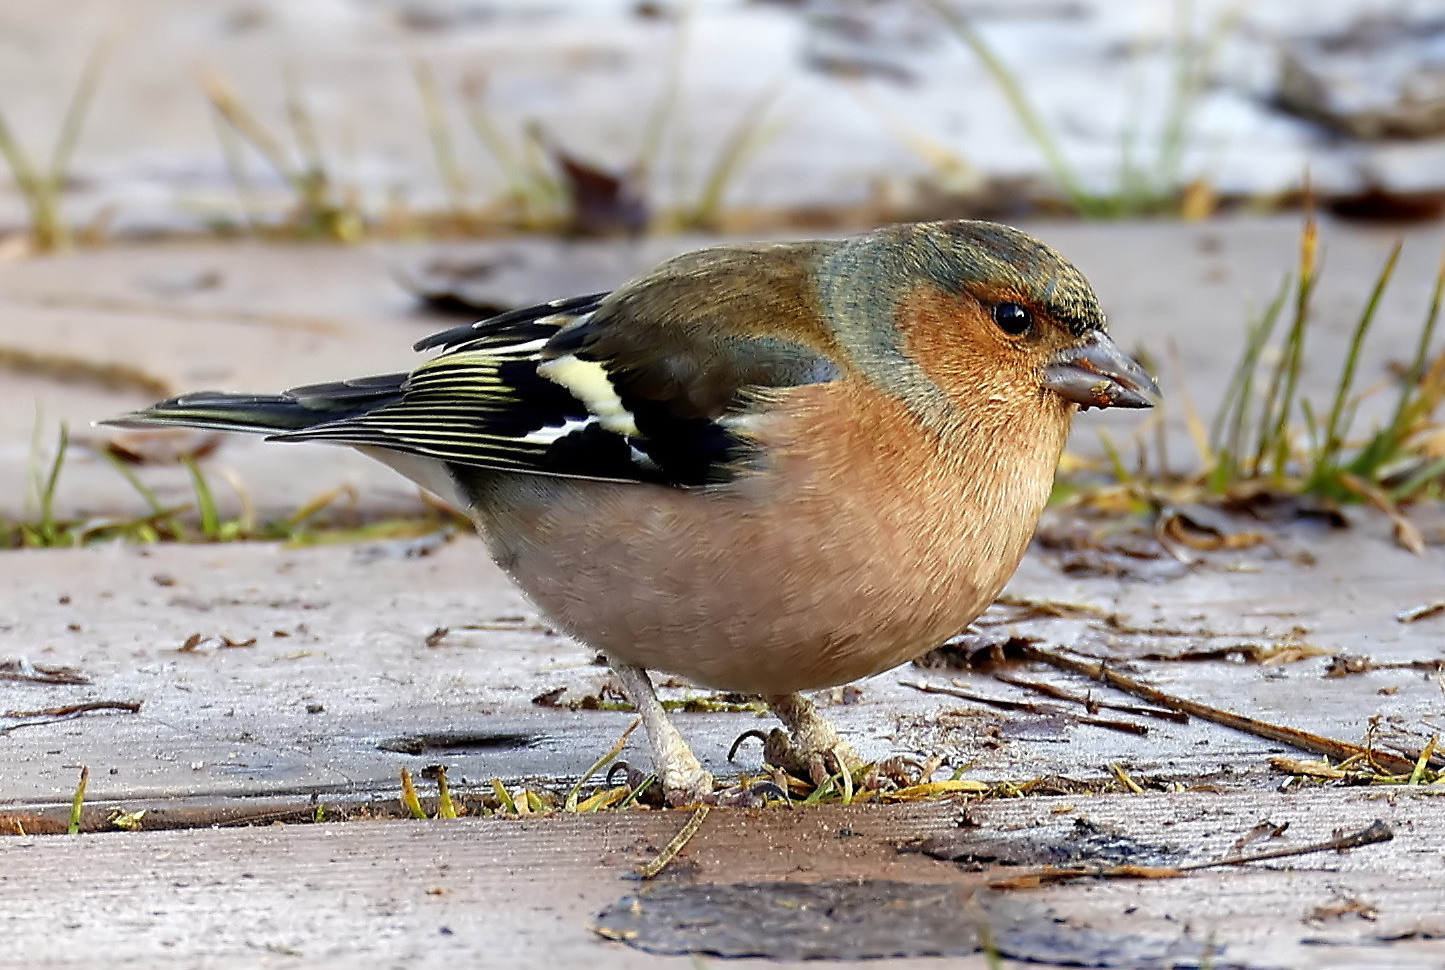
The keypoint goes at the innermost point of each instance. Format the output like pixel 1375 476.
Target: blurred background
pixel 352 119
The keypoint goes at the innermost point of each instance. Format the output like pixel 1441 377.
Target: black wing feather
pixel 606 386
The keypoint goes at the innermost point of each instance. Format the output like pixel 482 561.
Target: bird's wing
pixel 654 382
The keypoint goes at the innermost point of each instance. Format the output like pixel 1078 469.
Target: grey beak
pixel 1097 374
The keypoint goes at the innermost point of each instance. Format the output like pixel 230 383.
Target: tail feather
pixel 295 410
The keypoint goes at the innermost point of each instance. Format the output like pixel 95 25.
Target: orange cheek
pixel 956 345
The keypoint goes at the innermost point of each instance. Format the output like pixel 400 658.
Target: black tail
pixel 275 414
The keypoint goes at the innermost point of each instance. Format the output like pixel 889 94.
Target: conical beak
pixel 1097 374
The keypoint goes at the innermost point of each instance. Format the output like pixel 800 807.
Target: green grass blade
pixel 1116 460
pixel 303 130
pixel 665 106
pixel 637 792
pixel 1334 430
pixel 1023 109
pixel 77 802
pixel 530 184
pixel 46 232
pixel 1182 93
pixel 225 103
pixel 742 143
pixel 148 495
pixel 409 801
pixel 1413 401
pixel 1279 402
pixel 73 121
pixel 21 169
pixel 489 133
pixel 508 804
pixel 443 146
pixel 205 502
pixel 49 525
pixel 1193 59
pixel 235 156
pixel 1418 480
pixel 570 803
pixel 1227 433
pixel 1128 179
pixel 1416 373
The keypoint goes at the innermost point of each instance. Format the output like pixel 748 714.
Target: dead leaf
pixel 1349 907
pixel 1406 534
pixel 1203 528
pixel 603 203
pixel 1313 769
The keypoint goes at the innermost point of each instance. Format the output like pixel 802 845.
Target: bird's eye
pixel 1012 319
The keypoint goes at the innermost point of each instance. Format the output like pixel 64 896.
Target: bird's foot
pixel 700 791
pixel 816 763
pixel 811 747
pixel 681 778
pixel 684 780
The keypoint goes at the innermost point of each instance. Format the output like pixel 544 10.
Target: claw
pixel 754 733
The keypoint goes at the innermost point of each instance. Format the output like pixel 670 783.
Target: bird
pixel 764 467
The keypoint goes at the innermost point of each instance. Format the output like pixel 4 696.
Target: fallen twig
pixel 1088 702
pixel 70 710
pixel 52 715
pixel 1303 740
pixel 40 674
pixel 1416 613
pixel 1128 727
pixel 1373 834
pixel 1377 832
pixel 968 695
pixel 1345 665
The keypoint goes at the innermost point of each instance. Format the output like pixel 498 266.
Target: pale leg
pixel 814 745
pixel 683 779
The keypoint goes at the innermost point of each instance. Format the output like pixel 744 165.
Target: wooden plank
pixel 1273 914
pixel 505 891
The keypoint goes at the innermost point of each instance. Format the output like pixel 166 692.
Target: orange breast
pixel 863 541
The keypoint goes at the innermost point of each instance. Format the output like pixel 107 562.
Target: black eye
pixel 1012 319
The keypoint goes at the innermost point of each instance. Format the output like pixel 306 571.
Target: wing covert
pixel 652 382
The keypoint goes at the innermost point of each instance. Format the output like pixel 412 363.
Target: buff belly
pixel 730 591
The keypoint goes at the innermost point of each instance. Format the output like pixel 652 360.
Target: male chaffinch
pixel 766 468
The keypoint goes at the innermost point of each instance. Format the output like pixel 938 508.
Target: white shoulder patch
pixel 589 382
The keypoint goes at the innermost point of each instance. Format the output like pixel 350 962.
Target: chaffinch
pixel 766 468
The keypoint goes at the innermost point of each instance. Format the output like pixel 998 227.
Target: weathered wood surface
pixel 494 892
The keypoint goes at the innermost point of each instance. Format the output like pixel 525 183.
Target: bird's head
pixel 981 317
